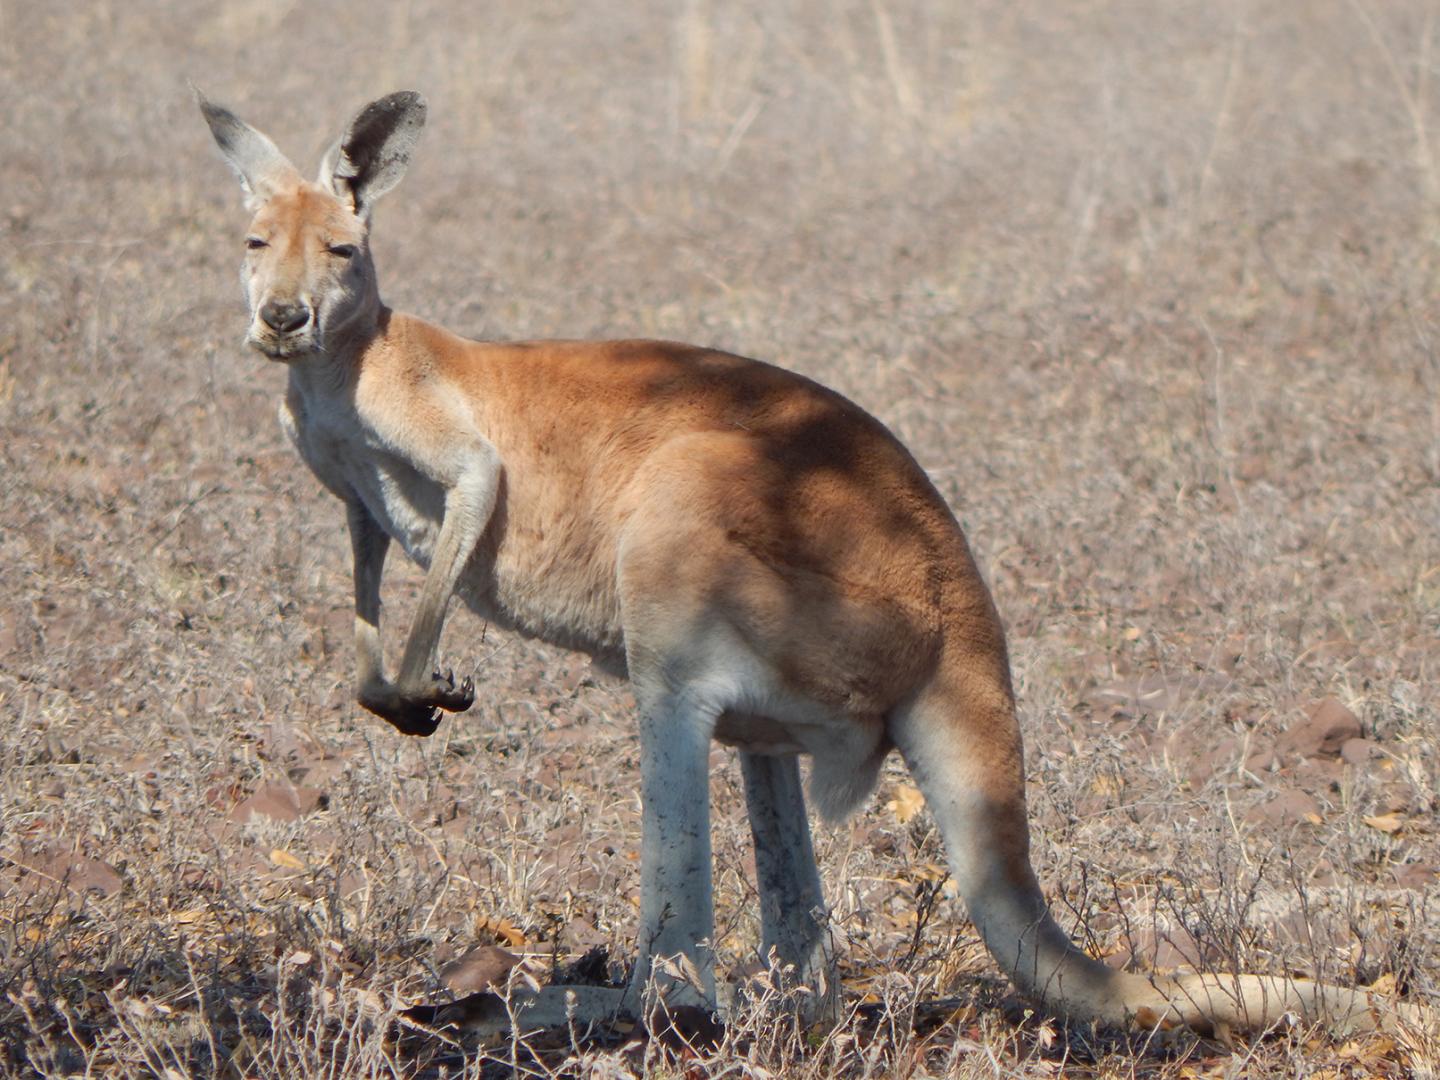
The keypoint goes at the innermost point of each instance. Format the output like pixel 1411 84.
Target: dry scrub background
pixel 1148 288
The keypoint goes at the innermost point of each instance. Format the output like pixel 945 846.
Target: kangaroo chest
pixel 521 582
pixel 354 463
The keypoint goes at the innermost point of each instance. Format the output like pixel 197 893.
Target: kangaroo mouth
pixel 284 346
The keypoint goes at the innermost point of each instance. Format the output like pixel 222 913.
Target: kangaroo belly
pixel 549 591
pixel 534 584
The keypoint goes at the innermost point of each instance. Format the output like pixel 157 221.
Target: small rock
pixel 280 802
pixel 1290 807
pixel 482 968
pixel 76 872
pixel 1318 774
pixel 1360 751
pixel 1261 761
pixel 1220 757
pixel 1323 732
pixel 581 934
pixel 1414 875
pixel 1252 467
pixel 1395 798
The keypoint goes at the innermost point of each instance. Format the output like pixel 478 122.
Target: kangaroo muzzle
pixel 284 328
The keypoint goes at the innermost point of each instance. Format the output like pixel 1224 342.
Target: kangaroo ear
pixel 261 167
pixel 374 153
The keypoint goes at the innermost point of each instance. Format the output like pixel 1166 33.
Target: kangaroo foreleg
pixel 374 690
pixel 413 702
pixel 368 544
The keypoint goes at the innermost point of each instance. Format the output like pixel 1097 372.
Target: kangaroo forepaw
pixel 413 718
pixel 418 712
pixel 444 694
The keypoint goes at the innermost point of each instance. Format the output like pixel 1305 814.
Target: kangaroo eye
pixel 254 243
pixel 342 251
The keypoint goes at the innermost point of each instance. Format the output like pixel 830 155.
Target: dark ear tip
pixel 213 113
pixel 411 101
pixel 223 123
pixel 198 95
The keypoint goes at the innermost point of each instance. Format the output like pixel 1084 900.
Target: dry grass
pixel 1149 289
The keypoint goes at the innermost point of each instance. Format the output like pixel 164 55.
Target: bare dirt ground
pixel 1148 288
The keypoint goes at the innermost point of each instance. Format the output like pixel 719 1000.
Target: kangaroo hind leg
pixel 677 917
pixel 792 902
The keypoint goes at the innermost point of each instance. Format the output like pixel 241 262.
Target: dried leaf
pixel 1105 785
pixel 1386 823
pixel 1370 1049
pixel 906 803
pixel 503 929
pixel 371 1003
pixel 929 871
pixel 281 857
pixel 1385 984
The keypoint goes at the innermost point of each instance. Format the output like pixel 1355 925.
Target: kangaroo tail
pixel 961 741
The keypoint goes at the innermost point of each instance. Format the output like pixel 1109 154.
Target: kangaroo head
pixel 308 273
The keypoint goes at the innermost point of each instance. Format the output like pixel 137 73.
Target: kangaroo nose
pixel 284 318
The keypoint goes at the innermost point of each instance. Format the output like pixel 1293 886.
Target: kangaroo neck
pixel 334 371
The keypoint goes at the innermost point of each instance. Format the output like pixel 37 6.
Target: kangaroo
pixel 761 558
